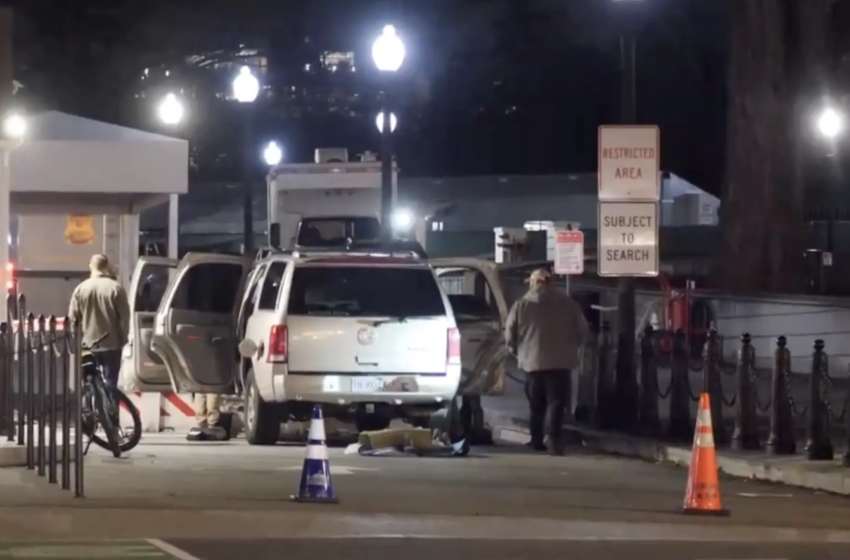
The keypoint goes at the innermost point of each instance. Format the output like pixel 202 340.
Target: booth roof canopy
pixel 61 127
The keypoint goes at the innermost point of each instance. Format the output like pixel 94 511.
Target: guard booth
pixel 75 187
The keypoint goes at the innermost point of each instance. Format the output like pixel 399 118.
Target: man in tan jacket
pixel 100 303
pixel 545 330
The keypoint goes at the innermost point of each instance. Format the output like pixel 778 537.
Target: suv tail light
pixel 453 347
pixel 278 342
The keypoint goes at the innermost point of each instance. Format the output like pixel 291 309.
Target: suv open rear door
pixel 478 302
pixel 141 369
pixel 194 329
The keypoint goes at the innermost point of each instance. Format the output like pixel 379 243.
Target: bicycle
pixel 101 405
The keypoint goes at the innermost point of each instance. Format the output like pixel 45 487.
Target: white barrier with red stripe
pixel 161 411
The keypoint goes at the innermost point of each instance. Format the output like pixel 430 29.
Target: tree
pixel 777 57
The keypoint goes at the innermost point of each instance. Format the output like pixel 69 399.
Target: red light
pixel 10 267
pixel 453 347
pixel 278 340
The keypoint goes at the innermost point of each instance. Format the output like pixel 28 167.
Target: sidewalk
pixel 794 470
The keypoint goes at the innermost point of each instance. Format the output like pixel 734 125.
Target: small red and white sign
pixel 629 167
pixel 569 252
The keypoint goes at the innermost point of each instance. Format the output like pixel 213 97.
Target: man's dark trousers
pixel 547 394
pixel 110 360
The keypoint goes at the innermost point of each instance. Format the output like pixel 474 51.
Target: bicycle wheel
pixel 127 439
pixel 108 419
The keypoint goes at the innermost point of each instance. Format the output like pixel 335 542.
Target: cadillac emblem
pixel 366 336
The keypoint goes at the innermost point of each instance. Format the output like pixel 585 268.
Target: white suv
pixel 371 337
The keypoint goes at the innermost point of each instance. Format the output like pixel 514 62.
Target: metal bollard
pixel 20 344
pixel 8 385
pixel 781 438
pixel 79 488
pixel 650 423
pixel 602 410
pixel 712 384
pixel 745 435
pixel 66 405
pixel 29 373
pixel 54 401
pixel 818 443
pixel 680 427
pixel 41 449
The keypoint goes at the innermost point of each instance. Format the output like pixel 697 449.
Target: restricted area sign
pixel 569 252
pixel 629 165
pixel 628 239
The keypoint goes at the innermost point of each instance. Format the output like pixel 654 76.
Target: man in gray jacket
pixel 545 330
pixel 100 303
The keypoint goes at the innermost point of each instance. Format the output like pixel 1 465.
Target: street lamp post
pixel 14 130
pixel 626 393
pixel 830 124
pixel 388 52
pixel 246 89
pixel 272 155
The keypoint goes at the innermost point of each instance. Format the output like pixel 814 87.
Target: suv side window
pixel 271 286
pixel 152 287
pixel 209 288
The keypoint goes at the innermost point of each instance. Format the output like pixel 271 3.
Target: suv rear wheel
pixel 262 419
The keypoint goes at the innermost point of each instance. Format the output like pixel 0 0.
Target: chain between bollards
pixel 680 427
pixel 650 422
pixel 745 435
pixel 602 411
pixel 712 384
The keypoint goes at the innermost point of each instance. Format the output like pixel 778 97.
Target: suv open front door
pixel 141 369
pixel 194 328
pixel 477 298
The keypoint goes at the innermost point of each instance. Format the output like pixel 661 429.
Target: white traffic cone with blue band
pixel 316 484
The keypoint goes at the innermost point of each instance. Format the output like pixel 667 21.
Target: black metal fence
pixel 40 406
pixel 752 408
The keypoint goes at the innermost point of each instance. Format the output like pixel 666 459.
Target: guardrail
pixel 750 405
pixel 40 407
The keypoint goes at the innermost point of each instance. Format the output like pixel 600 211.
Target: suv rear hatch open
pixel 345 317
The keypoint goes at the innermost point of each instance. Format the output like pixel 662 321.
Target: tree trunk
pixel 774 46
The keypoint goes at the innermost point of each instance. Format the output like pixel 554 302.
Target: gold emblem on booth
pixel 79 230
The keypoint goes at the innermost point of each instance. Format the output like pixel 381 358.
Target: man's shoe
pixel 196 434
pixel 535 446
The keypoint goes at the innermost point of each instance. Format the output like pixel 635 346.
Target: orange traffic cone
pixel 702 495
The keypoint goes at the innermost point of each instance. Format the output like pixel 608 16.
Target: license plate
pixel 367 384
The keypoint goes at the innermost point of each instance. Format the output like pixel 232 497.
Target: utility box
pixel 695 209
pixel 510 244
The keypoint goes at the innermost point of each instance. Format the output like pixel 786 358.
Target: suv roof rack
pixel 395 248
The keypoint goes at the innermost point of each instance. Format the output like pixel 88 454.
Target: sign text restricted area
pixel 629 161
pixel 628 239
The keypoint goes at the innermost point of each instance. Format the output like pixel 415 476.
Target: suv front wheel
pixel 262 419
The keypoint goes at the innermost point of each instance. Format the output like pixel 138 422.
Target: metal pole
pixel 247 165
pixel 8 385
pixel 66 404
pixel 30 375
pixel 21 377
pixel 626 319
pixel 386 168
pixel 51 382
pixel 41 454
pixel 79 490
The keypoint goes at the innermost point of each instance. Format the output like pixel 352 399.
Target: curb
pixel 778 470
pixel 12 455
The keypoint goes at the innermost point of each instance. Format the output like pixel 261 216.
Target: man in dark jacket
pixel 100 303
pixel 545 331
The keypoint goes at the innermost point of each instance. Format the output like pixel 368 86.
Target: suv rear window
pixel 365 291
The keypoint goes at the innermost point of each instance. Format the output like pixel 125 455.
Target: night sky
pixel 488 87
